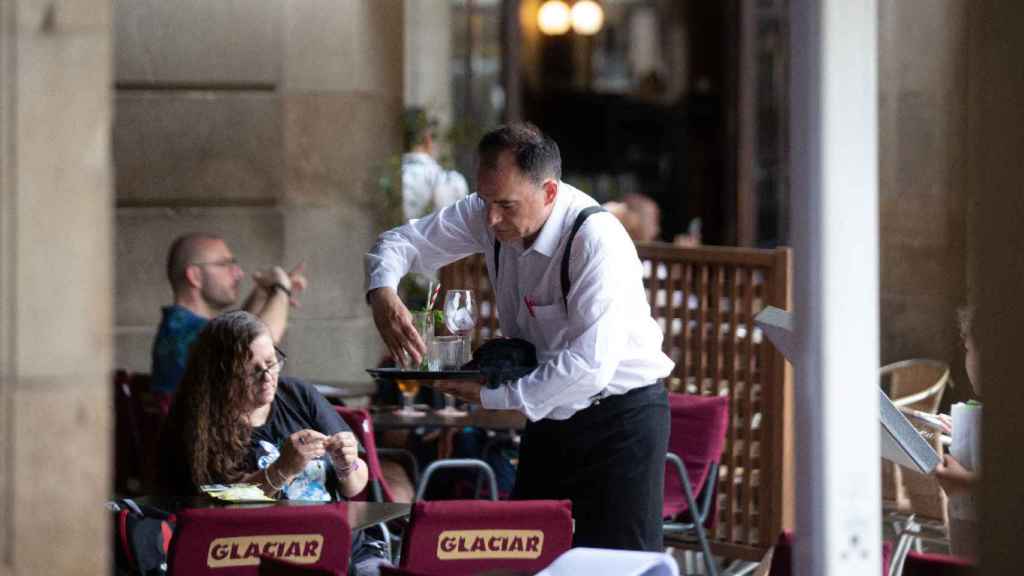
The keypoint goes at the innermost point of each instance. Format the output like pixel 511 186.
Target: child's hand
pixel 954 478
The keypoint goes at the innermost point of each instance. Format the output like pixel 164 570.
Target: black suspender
pixel 580 219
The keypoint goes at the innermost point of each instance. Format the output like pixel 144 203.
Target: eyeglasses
pixel 272 370
pixel 229 262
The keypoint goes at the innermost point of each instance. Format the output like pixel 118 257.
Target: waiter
pixel 598 412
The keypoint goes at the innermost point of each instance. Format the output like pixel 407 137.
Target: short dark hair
pixel 536 154
pixel 416 124
pixel 184 251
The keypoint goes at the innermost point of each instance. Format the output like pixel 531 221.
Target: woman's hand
pixel 353 473
pixel 343 448
pixel 953 477
pixel 298 449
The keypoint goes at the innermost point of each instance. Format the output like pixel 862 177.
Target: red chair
pixel 377 489
pixel 139 413
pixel 695 444
pixel 924 564
pixel 230 541
pixel 270 566
pixel 462 537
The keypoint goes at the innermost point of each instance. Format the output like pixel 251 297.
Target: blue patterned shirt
pixel 178 329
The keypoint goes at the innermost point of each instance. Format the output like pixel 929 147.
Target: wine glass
pixel 460 318
pixel 409 389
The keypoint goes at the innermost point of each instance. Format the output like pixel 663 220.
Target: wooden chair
pixel 916 384
pixel 914 503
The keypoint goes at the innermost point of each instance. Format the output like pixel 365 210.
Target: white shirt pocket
pixel 548 325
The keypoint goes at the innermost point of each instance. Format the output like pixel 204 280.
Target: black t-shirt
pixel 297 406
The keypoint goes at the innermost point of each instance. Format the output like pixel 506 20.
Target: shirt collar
pixel 551 232
pixel 417 158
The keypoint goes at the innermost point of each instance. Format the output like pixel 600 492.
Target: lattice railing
pixel 705 299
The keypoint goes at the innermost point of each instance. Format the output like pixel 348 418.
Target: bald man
pixel 205 278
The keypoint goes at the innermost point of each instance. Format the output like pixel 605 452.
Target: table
pixel 387 419
pixel 361 515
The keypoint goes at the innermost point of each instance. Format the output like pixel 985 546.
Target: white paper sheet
pixel 777 324
pixel 600 562
pixel 966 449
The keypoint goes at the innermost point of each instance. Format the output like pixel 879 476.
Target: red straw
pixel 433 297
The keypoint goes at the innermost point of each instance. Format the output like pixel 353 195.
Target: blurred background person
pixel 205 277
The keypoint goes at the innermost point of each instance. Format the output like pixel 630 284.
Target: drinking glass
pixel 460 318
pixel 409 389
pixel 423 320
pixel 447 350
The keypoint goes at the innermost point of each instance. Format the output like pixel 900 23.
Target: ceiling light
pixel 587 17
pixel 553 18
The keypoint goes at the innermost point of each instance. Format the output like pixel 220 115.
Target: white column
pixel 835 231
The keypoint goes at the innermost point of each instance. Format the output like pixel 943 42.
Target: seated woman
pixel 234 421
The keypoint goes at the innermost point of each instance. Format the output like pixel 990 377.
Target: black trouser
pixel 609 459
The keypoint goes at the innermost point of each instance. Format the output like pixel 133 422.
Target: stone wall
pixel 922 198
pixel 263 122
pixel 55 286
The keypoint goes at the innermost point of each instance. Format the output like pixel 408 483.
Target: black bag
pixel 142 535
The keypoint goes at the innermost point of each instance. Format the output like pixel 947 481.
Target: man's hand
pixel 465 390
pixel 394 322
pixel 294 281
pixel 297 277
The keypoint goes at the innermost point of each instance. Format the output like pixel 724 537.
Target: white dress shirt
pixel 427 186
pixel 607 344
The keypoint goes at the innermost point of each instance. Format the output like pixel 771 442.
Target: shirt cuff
pixel 494 398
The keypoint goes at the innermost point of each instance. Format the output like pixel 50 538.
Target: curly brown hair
pixel 214 397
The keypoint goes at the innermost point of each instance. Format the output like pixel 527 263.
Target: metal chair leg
pixel 696 513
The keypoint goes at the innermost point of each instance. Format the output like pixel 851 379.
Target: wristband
pixel 266 476
pixel 345 471
pixel 278 286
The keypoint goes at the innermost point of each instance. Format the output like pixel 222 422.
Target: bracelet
pixel 278 286
pixel 266 476
pixel 345 471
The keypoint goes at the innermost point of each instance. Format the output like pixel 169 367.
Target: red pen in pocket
pixel 529 305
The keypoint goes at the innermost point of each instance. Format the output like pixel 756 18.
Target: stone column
pixel 55 286
pixel 341 99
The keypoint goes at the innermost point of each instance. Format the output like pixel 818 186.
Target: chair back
pixel 698 429
pixel 230 541
pixel 924 564
pixel 917 384
pixel 139 414
pixel 462 537
pixel 358 419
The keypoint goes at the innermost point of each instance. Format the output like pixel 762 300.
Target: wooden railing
pixel 705 300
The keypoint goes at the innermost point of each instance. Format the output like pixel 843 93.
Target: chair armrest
pixel 458 463
pixel 691 502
